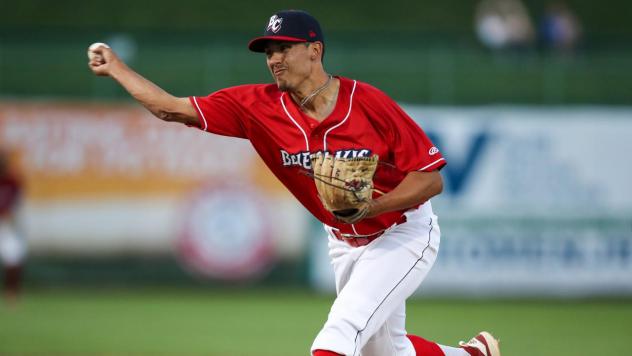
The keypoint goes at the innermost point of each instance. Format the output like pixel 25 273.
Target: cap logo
pixel 275 24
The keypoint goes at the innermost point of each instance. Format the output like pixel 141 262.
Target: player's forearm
pixel 416 188
pixel 160 103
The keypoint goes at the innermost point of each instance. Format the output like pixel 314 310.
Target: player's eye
pixel 280 48
pixel 270 52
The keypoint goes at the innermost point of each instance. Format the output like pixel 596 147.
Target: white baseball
pixel 93 55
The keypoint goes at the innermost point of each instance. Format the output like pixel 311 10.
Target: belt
pixel 356 240
pixel 362 240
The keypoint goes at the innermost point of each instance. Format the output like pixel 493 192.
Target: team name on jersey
pixel 302 159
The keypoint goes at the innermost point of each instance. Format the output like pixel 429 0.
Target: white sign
pixel 534 162
pixel 535 202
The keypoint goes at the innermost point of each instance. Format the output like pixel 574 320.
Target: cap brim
pixel 259 44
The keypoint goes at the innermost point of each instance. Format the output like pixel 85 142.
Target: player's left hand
pixel 352 216
pixel 345 185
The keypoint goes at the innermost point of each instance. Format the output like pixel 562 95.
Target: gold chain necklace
pixel 315 92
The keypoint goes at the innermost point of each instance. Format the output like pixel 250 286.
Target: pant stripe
pixel 393 289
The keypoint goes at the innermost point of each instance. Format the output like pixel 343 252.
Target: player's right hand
pixel 102 60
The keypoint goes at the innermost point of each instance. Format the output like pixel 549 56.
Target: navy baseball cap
pixel 288 26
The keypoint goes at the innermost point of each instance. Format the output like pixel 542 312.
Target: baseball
pixel 92 55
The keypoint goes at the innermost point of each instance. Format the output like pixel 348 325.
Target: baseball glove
pixel 345 185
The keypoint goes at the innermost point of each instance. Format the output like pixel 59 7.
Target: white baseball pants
pixel 368 317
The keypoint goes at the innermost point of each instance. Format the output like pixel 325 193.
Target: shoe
pixel 483 344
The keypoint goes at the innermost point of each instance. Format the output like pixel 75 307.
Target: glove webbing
pixel 314 176
pixel 318 177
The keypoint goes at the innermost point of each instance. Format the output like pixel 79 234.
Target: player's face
pixel 289 63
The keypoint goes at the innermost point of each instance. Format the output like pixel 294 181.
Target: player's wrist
pixel 117 69
pixel 374 208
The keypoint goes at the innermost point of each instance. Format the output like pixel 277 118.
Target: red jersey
pixel 364 122
pixel 9 194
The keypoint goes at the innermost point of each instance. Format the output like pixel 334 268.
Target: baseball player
pixel 12 247
pixel 383 246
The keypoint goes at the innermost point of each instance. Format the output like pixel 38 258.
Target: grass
pixel 284 322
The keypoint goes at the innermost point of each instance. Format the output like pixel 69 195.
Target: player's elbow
pixel 439 184
pixel 169 116
pixel 436 184
pixel 180 117
pixel 178 110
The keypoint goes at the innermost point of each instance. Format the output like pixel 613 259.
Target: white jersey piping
pixel 430 165
pixel 201 113
pixel 341 122
pixel 295 123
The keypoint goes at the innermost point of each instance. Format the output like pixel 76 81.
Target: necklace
pixel 315 92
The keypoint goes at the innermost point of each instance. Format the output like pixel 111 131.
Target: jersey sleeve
pixel 411 148
pixel 221 113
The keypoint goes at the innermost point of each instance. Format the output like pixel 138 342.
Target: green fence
pixel 410 69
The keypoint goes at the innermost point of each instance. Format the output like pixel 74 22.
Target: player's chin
pixel 281 82
pixel 282 85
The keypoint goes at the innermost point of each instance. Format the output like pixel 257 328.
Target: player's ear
pixel 316 50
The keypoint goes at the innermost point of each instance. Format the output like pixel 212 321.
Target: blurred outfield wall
pixel 410 68
pixel 536 201
pixel 108 180
pixel 418 52
pixel 105 180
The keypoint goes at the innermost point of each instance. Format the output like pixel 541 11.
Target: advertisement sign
pixel 535 202
pixel 110 179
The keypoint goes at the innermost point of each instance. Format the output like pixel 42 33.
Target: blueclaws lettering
pixel 353 153
pixel 302 159
pixel 296 159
